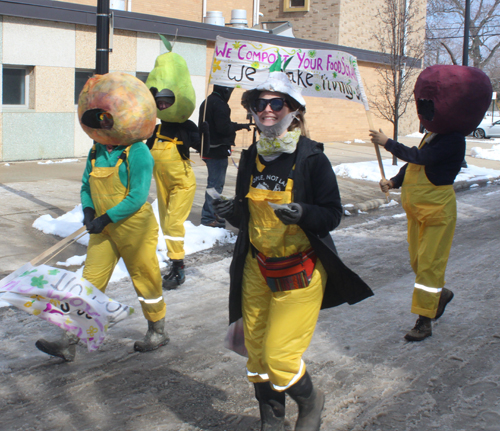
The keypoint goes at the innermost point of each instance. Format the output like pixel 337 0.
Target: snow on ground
pixel 370 171
pixel 492 153
pixel 197 238
pixel 49 162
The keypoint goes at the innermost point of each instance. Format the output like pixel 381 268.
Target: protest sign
pixel 64 299
pixel 318 73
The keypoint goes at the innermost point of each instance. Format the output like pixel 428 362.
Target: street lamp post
pixel 102 38
pixel 465 57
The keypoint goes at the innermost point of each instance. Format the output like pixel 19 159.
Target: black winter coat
pixel 315 188
pixel 222 129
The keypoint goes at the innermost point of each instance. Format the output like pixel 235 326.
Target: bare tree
pixel 401 37
pixel 445 29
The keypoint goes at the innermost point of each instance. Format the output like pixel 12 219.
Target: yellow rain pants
pixel 175 188
pixel 133 238
pixel 432 216
pixel 278 326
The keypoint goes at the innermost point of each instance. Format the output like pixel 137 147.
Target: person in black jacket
pixel 285 267
pixel 222 135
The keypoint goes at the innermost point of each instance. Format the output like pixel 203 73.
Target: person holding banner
pixel 222 131
pixel 285 267
pixel 114 192
pixel 451 101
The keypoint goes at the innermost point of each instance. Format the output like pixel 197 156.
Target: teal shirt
pixel 140 164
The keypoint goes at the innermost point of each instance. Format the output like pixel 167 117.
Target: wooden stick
pixel 206 102
pixel 377 150
pixel 58 247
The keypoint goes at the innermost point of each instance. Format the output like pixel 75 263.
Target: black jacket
pixel 442 158
pixel 186 132
pixel 222 129
pixel 315 188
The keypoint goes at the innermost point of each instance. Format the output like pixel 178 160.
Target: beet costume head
pixel 171 73
pixel 116 109
pixel 452 98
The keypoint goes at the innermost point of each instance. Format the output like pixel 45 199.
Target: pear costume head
pixel 452 98
pixel 170 79
pixel 116 109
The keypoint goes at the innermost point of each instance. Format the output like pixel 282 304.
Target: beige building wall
pixel 190 10
pixel 54 89
pixel 320 23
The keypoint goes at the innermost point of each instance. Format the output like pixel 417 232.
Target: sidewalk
pixel 29 190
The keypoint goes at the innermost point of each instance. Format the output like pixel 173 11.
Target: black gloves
pixel 291 215
pixel 223 207
pixel 88 216
pixel 97 225
pixel 242 126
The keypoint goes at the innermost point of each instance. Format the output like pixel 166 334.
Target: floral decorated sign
pixel 60 297
pixel 318 73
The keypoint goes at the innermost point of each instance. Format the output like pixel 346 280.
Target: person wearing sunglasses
pixel 285 267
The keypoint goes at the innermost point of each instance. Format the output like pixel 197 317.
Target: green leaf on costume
pixel 166 42
pixel 287 62
pixel 276 66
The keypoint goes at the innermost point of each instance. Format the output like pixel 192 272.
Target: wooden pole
pixel 205 106
pixel 58 247
pixel 377 150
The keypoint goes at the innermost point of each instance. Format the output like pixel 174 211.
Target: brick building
pixel 47 51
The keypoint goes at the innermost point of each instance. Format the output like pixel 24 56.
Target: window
pixel 81 77
pixel 142 76
pixel 15 86
pixel 295 5
pixel 117 4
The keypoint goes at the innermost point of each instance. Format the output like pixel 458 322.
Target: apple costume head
pixel 452 98
pixel 116 109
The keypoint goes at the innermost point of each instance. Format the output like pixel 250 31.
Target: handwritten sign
pixel 318 73
pixel 60 297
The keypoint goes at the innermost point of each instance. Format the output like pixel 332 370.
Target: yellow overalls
pixel 175 188
pixel 432 216
pixel 133 238
pixel 278 326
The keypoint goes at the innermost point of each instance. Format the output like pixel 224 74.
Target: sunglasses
pixel 102 115
pixel 276 104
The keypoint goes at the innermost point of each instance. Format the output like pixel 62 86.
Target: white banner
pixel 60 297
pixel 318 73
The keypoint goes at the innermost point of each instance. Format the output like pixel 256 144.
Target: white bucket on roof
pixel 214 17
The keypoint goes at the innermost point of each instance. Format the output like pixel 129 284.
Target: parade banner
pixel 64 299
pixel 318 73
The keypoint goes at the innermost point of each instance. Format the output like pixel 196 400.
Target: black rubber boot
pixel 176 275
pixel 421 330
pixel 271 406
pixel 445 298
pixel 310 401
pixel 64 348
pixel 155 337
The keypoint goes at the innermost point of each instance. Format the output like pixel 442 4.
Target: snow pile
pixel 416 135
pixel 492 153
pixel 366 170
pixel 370 171
pixel 197 238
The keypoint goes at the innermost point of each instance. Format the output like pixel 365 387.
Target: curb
pixel 374 204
